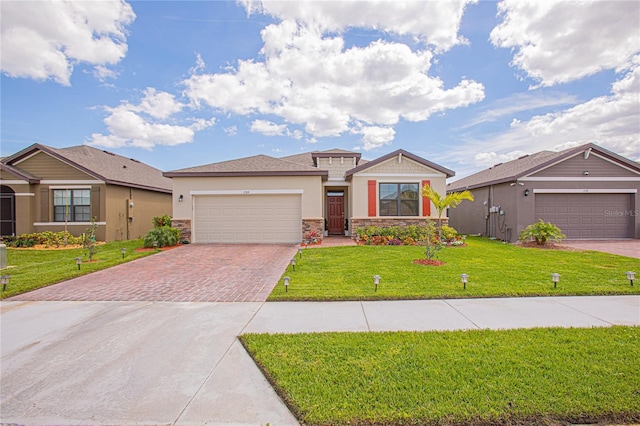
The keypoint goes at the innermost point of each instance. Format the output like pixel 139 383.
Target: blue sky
pixel 179 84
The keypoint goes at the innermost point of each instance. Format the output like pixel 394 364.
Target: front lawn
pixel 31 269
pixel 495 269
pixel 537 376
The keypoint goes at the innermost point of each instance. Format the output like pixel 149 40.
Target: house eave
pixel 321 173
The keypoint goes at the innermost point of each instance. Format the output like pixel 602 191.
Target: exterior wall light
pixel 286 284
pixel 180 198
pixel 293 263
pixel 556 278
pixel 376 281
pixel 78 262
pixel 526 192
pixel 465 279
pixel 4 280
pixel 631 276
pixel 123 251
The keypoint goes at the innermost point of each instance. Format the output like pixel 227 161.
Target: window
pixel 71 205
pixel 399 199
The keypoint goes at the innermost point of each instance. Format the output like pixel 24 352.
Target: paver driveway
pixel 191 273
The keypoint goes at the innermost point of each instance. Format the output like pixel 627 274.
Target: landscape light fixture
pixel 286 284
pixel 4 280
pixel 123 251
pixel 376 281
pixel 465 279
pixel 556 278
pixel 293 263
pixel 78 262
pixel 155 245
pixel 300 252
pixel 631 276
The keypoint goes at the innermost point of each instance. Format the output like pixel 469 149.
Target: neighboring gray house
pixel 587 191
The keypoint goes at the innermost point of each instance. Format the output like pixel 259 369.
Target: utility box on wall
pixel 130 209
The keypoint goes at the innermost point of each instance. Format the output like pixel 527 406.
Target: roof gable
pixel 400 154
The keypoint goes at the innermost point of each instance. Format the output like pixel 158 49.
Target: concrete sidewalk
pixel 135 363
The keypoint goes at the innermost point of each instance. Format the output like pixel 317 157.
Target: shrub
pixel 448 234
pixel 408 235
pixel 47 238
pixel 542 232
pixel 160 221
pixel 163 235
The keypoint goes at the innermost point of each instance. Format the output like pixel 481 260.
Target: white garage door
pixel 584 216
pixel 254 218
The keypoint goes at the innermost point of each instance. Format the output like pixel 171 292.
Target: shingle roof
pixel 19 173
pixel 525 165
pixel 308 158
pixel 103 165
pixel 257 165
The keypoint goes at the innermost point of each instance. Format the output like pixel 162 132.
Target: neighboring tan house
pixel 53 189
pixel 262 199
pixel 587 191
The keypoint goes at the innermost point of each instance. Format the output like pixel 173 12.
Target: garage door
pixel 248 218
pixel 587 215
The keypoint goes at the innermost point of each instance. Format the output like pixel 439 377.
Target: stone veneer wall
pixel 387 222
pixel 309 225
pixel 184 225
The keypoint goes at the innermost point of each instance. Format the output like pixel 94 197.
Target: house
pixel 263 199
pixel 53 189
pixel 587 191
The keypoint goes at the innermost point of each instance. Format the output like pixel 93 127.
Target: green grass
pixel 536 376
pixel 32 269
pixel 495 270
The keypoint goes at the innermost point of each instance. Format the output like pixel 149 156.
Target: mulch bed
pixel 547 246
pixel 143 249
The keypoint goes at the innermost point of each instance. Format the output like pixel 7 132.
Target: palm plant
pixel 442 203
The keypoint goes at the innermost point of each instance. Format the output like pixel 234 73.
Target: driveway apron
pixel 190 273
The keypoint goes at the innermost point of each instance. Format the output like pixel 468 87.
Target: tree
pixel 442 203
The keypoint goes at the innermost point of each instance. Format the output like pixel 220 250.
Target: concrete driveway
pixel 190 273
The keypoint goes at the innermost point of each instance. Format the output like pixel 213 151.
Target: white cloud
pixel 310 79
pixel 45 40
pixel 433 22
pixel 231 130
pixel 560 41
pixel 268 128
pixel 141 125
pixel 374 136
pixel 611 121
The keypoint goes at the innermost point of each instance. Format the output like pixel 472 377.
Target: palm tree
pixel 442 203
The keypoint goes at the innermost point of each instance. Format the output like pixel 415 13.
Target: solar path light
pixel 293 263
pixel 300 252
pixel 465 279
pixel 78 262
pixel 556 278
pixel 123 251
pixel 376 281
pixel 286 284
pixel 4 280
pixel 631 276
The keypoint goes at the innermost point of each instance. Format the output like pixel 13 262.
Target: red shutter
pixel 373 202
pixel 426 203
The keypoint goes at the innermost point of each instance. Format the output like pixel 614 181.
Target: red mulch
pixel 426 262
pixel 547 246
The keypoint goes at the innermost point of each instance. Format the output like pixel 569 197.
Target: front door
pixel 335 208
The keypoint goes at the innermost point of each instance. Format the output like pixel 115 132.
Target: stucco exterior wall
pixel 393 171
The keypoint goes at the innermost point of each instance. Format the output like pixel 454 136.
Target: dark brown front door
pixel 335 207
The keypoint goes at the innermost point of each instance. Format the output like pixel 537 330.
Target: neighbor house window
pixel 399 199
pixel 71 205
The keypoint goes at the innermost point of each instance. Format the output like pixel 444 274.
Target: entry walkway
pixel 129 363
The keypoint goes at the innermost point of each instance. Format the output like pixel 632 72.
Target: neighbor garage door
pixel 248 218
pixel 587 215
